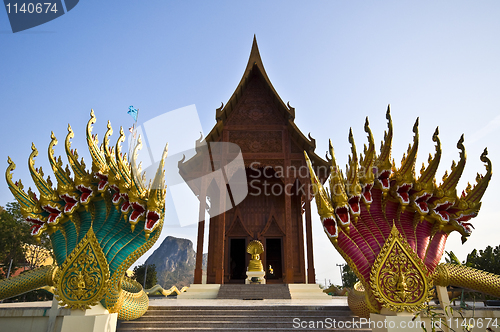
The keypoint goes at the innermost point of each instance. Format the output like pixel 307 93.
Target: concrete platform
pixel 49 316
pixel 333 301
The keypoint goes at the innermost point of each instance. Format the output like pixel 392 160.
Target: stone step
pixel 268 312
pixel 252 307
pixel 242 318
pixel 250 310
pixel 239 329
pixel 245 318
pixel 254 291
pixel 289 325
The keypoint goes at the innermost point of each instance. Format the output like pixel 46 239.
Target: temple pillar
pixel 198 270
pixel 289 277
pixel 219 270
pixel 311 274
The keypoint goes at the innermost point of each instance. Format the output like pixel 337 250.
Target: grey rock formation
pixel 175 261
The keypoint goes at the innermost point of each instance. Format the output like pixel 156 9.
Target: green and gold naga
pixel 99 222
pixel 391 227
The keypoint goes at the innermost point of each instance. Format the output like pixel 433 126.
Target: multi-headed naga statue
pixel 391 228
pixel 99 222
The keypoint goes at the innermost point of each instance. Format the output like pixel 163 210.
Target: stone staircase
pixel 254 291
pixel 245 318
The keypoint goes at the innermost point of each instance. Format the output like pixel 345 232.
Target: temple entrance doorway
pixel 274 259
pixel 237 260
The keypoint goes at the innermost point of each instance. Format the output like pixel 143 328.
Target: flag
pixel 133 112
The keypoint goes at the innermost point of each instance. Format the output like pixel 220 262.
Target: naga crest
pixel 100 221
pixel 391 226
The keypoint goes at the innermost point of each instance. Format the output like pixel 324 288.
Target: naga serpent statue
pixel 391 227
pixel 99 222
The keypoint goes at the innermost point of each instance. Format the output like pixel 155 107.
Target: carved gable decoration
pixel 257 141
pixel 237 228
pixel 272 229
pixel 256 107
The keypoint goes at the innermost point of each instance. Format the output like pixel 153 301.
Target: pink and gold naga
pixel 391 227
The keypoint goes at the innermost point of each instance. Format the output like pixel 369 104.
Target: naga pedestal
pixel 97 318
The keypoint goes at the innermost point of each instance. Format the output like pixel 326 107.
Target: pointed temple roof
pixel 256 67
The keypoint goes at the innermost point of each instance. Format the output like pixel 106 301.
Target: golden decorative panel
pixel 399 277
pixel 82 280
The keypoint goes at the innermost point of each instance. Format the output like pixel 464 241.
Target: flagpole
pixel 133 131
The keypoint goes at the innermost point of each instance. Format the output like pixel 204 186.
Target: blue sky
pixel 335 61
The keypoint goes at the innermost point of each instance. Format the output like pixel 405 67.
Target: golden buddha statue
pixel 255 248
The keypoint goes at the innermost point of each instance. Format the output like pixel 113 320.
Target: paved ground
pixel 165 301
pixel 38 304
pixel 159 301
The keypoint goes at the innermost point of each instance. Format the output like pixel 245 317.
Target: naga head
pixel 403 178
pixel 425 185
pixel 367 174
pixel 323 202
pixel 31 209
pixel 353 186
pixel 49 200
pixel 445 195
pixel 85 181
pixel 467 206
pixel 338 195
pixel 66 188
pixel 100 167
pixel 138 191
pixel 382 166
pixel 156 202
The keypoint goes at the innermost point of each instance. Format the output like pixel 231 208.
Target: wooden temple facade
pixel 277 209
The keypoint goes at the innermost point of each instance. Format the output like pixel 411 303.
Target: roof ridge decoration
pixel 254 60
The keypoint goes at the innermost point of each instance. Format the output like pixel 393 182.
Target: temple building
pixel 276 210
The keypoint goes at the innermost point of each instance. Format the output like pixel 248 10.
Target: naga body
pixel 100 221
pixel 391 227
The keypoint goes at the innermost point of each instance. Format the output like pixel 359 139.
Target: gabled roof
pixel 254 64
pixel 256 67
